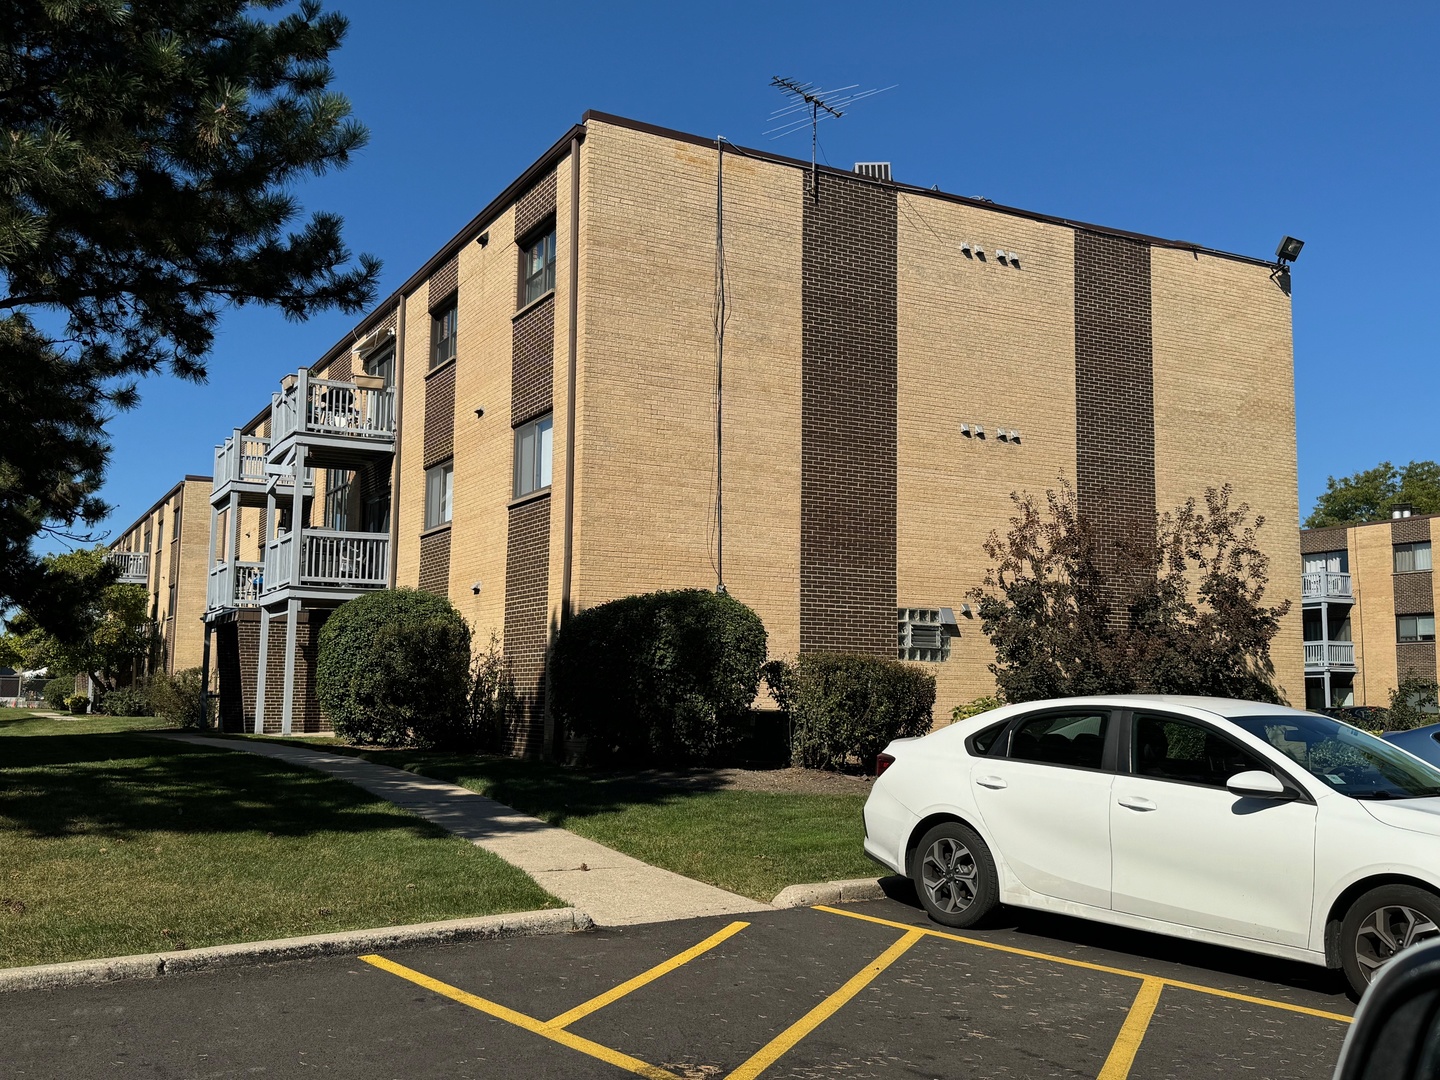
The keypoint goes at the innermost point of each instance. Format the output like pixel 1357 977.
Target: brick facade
pixel 532 208
pixel 435 562
pixel 527 611
pixel 1114 390
pixel 439 415
pixel 533 362
pixel 848 434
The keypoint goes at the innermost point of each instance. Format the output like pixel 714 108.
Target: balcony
pixel 134 566
pixel 240 468
pixel 1319 586
pixel 340 423
pixel 233 585
pixel 1329 655
pixel 332 564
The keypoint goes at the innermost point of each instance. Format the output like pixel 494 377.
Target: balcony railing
pixel 233 585
pixel 326 407
pixel 134 566
pixel 1325 585
pixel 1325 654
pixel 241 459
pixel 328 559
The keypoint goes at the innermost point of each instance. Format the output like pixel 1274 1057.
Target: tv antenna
pixel 819 104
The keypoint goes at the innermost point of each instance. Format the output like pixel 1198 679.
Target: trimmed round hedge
pixel 660 678
pixel 394 669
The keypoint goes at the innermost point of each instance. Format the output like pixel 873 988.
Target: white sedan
pixel 1242 824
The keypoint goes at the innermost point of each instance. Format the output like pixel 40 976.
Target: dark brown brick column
pixel 848 419
pixel 1114 389
pixel 1414 595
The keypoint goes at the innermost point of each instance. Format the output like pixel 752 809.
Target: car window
pixel 983 742
pixel 1075 739
pixel 1344 758
pixel 1167 748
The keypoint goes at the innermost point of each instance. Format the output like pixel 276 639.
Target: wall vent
pixel 875 170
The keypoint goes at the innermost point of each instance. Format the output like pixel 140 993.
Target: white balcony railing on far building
pixel 1326 585
pixel 1324 654
pixel 327 407
pixel 233 585
pixel 134 566
pixel 328 559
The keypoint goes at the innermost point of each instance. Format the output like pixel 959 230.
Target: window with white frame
pixel 922 635
pixel 537 267
pixel 439 494
pixel 1414 628
pixel 534 446
pixel 1410 557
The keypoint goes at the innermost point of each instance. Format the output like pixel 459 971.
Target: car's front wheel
pixel 955 875
pixel 1380 924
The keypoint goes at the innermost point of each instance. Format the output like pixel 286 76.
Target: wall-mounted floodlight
pixel 1289 249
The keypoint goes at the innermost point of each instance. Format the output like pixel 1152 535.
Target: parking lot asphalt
pixel 861 991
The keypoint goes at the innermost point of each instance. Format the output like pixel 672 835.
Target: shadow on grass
pixel 113 784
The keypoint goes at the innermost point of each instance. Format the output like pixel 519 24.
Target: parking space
pixel 870 990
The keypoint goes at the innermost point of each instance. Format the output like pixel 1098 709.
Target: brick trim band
pixel 527 618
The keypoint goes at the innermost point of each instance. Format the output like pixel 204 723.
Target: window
pixel 381 361
pixel 1410 557
pixel 922 636
pixel 534 444
pixel 1074 739
pixel 439 490
pixel 1333 562
pixel 1414 628
pixel 537 268
pixel 337 499
pixel 986 742
pixel 443 321
pixel 1165 748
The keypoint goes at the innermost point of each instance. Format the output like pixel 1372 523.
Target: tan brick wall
pixel 1225 412
pixel 193 572
pixel 646 432
pixel 408 500
pixel 1372 566
pixel 979 342
pixel 482 447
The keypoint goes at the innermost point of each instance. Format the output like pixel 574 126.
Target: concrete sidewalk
pixel 613 889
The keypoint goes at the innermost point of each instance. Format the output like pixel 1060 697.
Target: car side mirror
pixel 1257 784
pixel 1396 1034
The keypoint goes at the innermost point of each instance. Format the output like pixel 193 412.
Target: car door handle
pixel 991 782
pixel 1136 802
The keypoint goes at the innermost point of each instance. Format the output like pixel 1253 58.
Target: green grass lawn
pixel 750 842
pixel 113 841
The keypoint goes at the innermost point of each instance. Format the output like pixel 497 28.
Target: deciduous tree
pixel 1370 495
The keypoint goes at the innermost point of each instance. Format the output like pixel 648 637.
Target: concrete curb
pixel 829 892
pixel 153 965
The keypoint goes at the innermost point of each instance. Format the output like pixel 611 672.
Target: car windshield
pixel 1344 758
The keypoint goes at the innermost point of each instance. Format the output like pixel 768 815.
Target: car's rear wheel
pixel 955 875
pixel 1380 924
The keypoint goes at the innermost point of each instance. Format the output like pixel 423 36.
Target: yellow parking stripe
pixel 565 1019
pixel 776 1048
pixel 529 1023
pixel 1071 962
pixel 1132 1032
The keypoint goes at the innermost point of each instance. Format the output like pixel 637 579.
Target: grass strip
pixel 117 842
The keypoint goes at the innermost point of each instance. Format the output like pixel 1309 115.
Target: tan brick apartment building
pixel 535 421
pixel 165 550
pixel 1370 601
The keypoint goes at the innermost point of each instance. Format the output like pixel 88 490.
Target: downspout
pixel 572 347
pixel 399 420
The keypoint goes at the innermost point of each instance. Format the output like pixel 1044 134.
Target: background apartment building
pixel 579 397
pixel 164 549
pixel 1369 601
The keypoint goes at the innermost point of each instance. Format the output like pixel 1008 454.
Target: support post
pixel 287 708
pixel 261 662
pixel 205 677
pixel 1325 653
pixel 297 517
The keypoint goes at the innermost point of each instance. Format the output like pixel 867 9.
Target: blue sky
pixel 1227 124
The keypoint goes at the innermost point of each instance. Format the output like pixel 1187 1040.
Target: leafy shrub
pixel 665 677
pixel 975 707
pixel 79 704
pixel 394 669
pixel 57 692
pixel 844 708
pixel 126 701
pixel 1412 703
pixel 180 699
pixel 495 706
